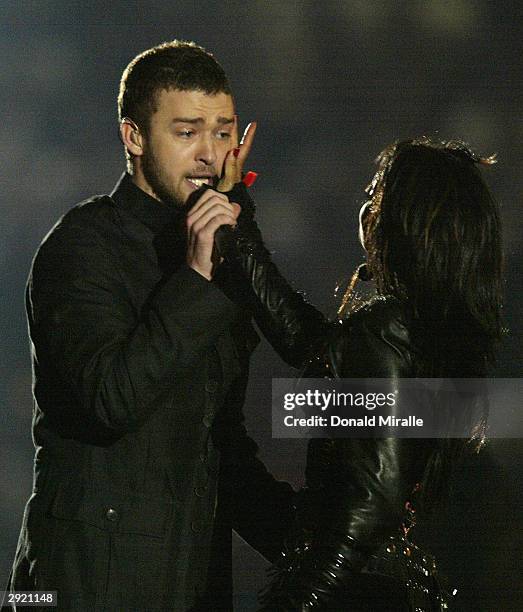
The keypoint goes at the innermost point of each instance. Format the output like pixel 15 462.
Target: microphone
pixel 224 240
pixel 195 196
pixel 224 235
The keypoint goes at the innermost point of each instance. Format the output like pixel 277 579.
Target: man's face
pixel 188 138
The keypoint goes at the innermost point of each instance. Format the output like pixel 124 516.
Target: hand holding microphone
pixel 210 220
pixel 212 211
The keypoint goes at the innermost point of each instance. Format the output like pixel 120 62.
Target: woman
pixel 431 233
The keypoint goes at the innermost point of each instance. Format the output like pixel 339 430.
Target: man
pixel 142 462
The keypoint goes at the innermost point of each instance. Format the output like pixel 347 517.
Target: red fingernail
pixel 249 178
pixel 236 152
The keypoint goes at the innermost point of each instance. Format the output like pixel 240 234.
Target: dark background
pixel 330 84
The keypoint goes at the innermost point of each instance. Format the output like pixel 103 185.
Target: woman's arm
pixel 292 325
pixel 287 320
pixel 357 487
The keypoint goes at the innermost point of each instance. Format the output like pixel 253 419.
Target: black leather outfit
pixel 350 547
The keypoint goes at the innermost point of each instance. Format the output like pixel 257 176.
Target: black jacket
pixel 348 548
pixel 142 462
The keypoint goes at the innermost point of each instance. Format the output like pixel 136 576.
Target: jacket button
pixel 208 419
pixel 196 526
pixel 111 515
pixel 211 386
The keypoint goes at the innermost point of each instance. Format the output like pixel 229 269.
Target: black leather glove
pixel 311 572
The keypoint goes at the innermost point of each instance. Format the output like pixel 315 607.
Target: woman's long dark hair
pixel 433 240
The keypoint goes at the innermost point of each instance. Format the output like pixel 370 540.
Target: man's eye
pixel 185 133
pixel 224 135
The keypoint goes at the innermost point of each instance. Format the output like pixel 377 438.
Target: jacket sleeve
pixel 263 507
pixel 366 481
pixel 286 319
pixel 259 507
pixel 90 339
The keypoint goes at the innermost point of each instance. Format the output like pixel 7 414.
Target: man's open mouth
pixel 198 181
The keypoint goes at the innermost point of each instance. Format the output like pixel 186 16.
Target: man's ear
pixel 131 137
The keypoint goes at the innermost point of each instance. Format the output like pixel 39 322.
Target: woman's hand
pixel 235 159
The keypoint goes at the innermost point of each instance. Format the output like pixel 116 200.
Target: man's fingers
pixel 201 241
pixel 204 201
pixel 216 222
pixel 200 228
pixel 231 211
pixel 213 203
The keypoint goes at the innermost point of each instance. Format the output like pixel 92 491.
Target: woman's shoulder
pixel 384 316
pixel 380 309
pixel 373 340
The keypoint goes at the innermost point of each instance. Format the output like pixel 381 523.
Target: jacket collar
pixel 151 212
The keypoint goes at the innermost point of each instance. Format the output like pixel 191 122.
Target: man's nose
pixel 206 152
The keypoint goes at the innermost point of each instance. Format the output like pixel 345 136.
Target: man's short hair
pixel 177 64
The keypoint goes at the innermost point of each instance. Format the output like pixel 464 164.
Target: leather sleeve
pixel 286 319
pixel 366 481
pixel 89 338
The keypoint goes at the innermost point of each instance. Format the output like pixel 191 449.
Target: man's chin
pixel 173 197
